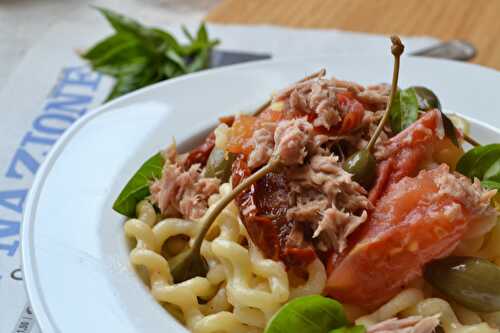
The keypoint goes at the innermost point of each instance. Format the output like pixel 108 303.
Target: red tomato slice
pixel 407 152
pixel 409 226
pixel 355 112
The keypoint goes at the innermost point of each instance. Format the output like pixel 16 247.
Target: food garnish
pixel 312 314
pixel 137 187
pixel 362 164
pixel 137 56
pixel 472 282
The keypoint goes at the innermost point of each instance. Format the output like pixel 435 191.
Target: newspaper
pixel 52 87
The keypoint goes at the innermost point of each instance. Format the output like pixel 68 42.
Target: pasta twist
pixel 411 302
pixel 243 289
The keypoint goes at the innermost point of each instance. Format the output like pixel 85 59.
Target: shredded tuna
pixel 185 192
pixel 320 184
pixel 317 97
pixel 309 211
pixel 336 225
pixel 472 196
pixel 263 144
pixel 371 97
pixel 292 137
pixel 414 324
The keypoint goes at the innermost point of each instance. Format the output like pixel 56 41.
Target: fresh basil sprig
pixel 137 187
pixel 404 110
pixel 312 314
pixel 137 56
pixel 482 162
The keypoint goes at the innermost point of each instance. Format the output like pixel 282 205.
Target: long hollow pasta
pixel 243 288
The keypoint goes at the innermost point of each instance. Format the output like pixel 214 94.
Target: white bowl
pixel 74 252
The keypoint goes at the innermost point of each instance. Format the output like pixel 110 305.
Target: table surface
pixel 476 21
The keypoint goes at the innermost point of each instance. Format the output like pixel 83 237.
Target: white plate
pixel 75 256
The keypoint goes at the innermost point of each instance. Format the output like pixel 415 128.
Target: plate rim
pixel 31 282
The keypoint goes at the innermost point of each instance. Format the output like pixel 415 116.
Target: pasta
pixel 320 207
pixel 411 302
pixel 243 289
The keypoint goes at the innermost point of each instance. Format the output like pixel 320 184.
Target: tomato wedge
pixel 412 224
pixel 406 152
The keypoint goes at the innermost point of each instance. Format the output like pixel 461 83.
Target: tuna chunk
pixel 292 137
pixel 263 144
pixel 184 192
pixel 323 195
pixel 414 324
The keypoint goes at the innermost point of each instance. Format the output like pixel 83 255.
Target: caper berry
pixel 219 164
pixel 471 282
pixel 362 166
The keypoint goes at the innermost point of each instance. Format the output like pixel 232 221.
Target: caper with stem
pixel 362 164
pixel 190 263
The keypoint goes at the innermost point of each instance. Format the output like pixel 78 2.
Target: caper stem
pixel 209 218
pixel 264 106
pixel 396 49
pixel 471 140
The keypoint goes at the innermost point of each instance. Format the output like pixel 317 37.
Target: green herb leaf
pixel 105 45
pixel 138 56
pixel 186 33
pixel 491 184
pixel 404 110
pixel 122 23
pixel 350 329
pixel 312 314
pixel 482 162
pixel 137 187
pixel 493 172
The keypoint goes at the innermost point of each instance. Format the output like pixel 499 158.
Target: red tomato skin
pixel 408 228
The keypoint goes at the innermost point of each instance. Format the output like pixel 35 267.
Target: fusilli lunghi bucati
pixel 242 289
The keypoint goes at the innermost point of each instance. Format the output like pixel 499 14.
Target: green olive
pixel 219 164
pixel 362 166
pixel 427 99
pixel 471 282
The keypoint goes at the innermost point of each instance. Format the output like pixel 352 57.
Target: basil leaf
pixel 132 67
pixel 404 110
pixel 493 172
pixel 477 161
pixel 128 83
pixel 312 314
pixel 122 23
pixel 138 56
pixel 105 45
pixel 186 33
pixel 491 185
pixel 137 187
pixel 202 35
pixel 350 329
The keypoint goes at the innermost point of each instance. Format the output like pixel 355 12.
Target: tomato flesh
pixel 409 227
